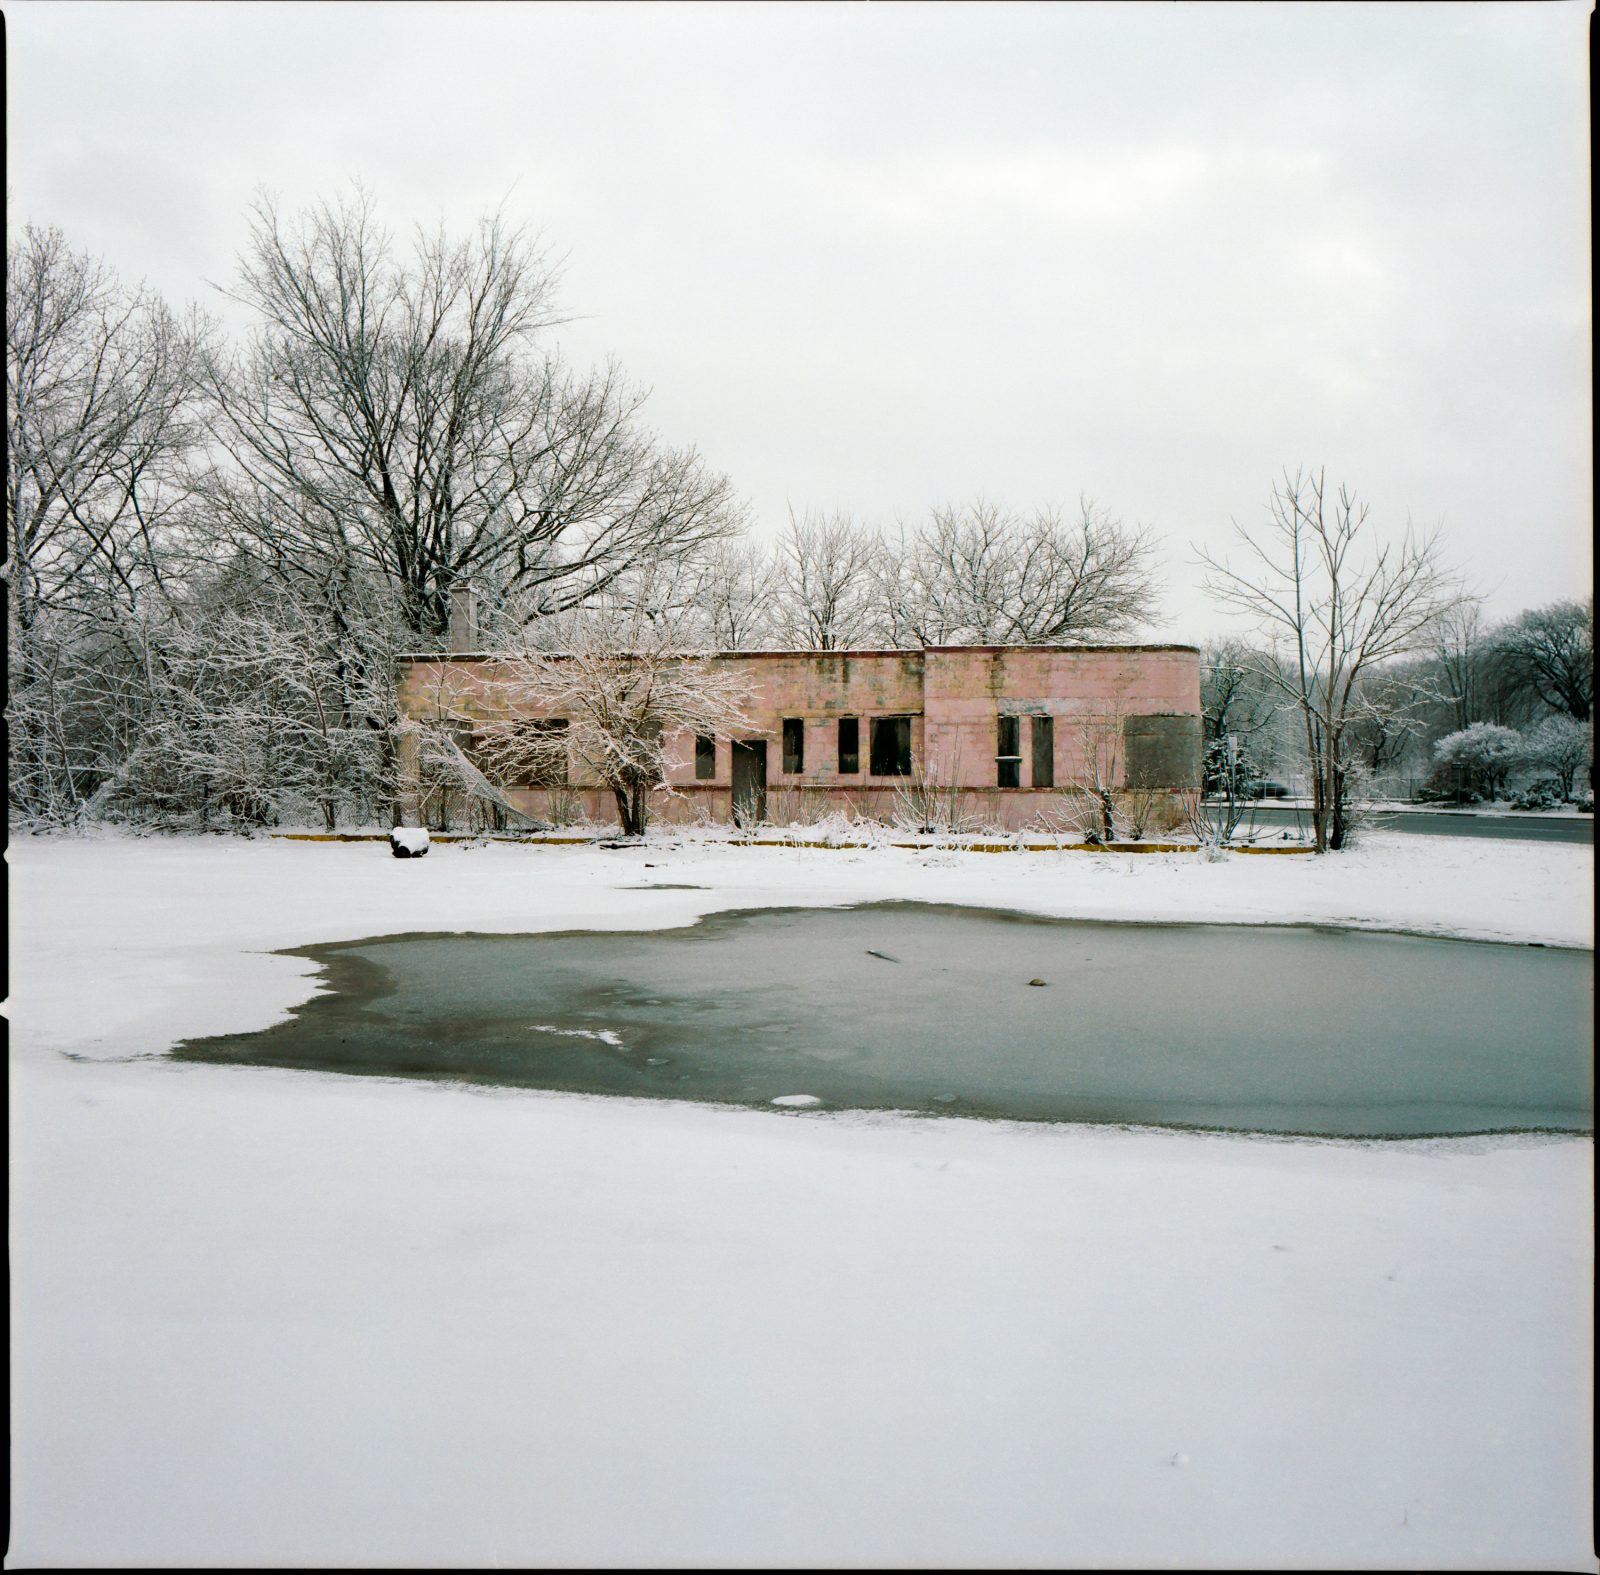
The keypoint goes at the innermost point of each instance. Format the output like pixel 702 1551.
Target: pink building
pixel 1004 729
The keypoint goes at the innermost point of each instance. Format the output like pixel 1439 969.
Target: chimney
pixel 463 618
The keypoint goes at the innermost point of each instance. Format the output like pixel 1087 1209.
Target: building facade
pixel 1002 733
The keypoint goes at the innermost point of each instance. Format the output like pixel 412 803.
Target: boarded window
pixel 794 746
pixel 1044 751
pixel 1008 752
pixel 705 757
pixel 891 746
pixel 849 745
pixel 1162 751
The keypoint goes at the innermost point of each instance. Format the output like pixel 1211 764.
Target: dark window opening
pixel 849 745
pixel 1008 752
pixel 534 755
pixel 705 757
pixel 794 746
pixel 1044 751
pixel 891 746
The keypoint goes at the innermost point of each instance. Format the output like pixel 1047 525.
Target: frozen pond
pixel 912 1007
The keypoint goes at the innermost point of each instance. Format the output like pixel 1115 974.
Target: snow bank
pixel 265 1317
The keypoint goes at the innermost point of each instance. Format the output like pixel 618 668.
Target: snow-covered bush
pixel 1544 794
pixel 1560 746
pixel 1485 750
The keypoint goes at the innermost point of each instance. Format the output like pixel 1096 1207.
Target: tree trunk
pixel 631 811
pixel 1337 829
pixel 1316 764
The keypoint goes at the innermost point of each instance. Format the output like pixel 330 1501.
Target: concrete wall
pixel 1085 691
pixel 818 687
pixel 1162 751
pixel 1137 707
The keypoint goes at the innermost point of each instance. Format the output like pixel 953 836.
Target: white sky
pixel 875 257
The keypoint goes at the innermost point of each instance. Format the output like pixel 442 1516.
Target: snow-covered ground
pixel 267 1317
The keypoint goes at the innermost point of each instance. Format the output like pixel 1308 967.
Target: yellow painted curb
pixel 433 836
pixel 773 842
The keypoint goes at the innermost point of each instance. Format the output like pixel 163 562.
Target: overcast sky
pixel 877 257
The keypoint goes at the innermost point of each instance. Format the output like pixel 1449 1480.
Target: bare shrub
pixel 564 808
pixel 1087 807
pixel 931 804
pixel 1137 807
pixel 1211 824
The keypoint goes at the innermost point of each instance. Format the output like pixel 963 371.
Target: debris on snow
pixel 604 1035
pixel 408 842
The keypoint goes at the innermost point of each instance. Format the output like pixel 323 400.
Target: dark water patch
pixel 1289 1030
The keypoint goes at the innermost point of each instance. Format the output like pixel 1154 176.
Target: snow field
pixel 270 1317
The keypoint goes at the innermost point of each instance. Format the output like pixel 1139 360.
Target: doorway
pixel 749 781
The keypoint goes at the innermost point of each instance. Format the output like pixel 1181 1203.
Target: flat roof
pixel 901 652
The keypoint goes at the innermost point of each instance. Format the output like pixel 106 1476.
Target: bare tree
pixel 824 598
pixel 100 428
pixel 1459 650
pixel 1331 617
pixel 942 580
pixel 75 695
pixel 400 410
pixel 250 711
pixel 621 689
pixel 1239 710
pixel 1549 652
pixel 734 588
pixel 1388 715
pixel 984 575
pixel 100 417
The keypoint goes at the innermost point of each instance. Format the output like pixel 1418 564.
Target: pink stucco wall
pixel 967 688
pixel 954 696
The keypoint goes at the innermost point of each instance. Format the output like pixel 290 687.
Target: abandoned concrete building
pixel 1004 730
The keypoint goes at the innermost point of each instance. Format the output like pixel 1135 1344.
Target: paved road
pixel 1450 823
